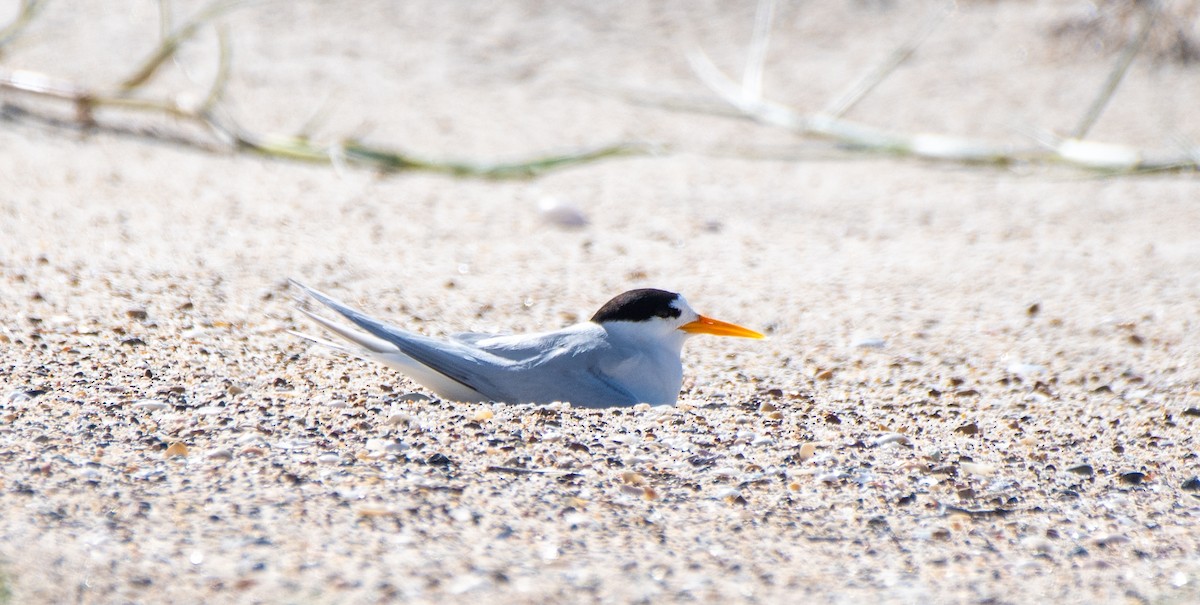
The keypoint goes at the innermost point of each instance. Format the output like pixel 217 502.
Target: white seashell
pixel 562 214
pixel 891 439
pixel 152 405
pixel 870 342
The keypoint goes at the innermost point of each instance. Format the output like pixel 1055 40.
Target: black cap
pixel 639 305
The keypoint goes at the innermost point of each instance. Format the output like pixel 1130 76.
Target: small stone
pixel 1192 485
pixel 20 395
pixel 767 406
pixel 329 458
pixel 137 313
pixel 483 414
pixel 632 478
pixel 221 455
pixel 831 477
pixel 399 418
pixel 870 342
pixel 1110 539
pixel 631 490
pixel 1133 478
pixel 176 450
pixel 151 405
pixel 974 468
pixel 561 214
pixel 806 451
pixel 412 398
pixel 968 429
pixel 1082 469
pixel 892 439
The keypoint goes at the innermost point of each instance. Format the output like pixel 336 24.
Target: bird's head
pixel 662 315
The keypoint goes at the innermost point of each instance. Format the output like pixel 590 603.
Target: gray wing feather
pixel 425 350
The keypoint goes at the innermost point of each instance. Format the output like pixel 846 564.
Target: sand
pixel 981 384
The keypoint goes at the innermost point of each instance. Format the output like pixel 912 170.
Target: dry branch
pixel 747 101
pixel 24 16
pixel 206 114
pixel 1149 14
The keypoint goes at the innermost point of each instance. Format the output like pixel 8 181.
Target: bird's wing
pixel 566 365
pixel 526 349
pixel 469 366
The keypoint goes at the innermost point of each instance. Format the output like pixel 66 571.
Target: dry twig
pixel 349 152
pixel 747 101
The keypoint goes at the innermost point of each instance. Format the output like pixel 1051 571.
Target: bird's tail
pixel 368 344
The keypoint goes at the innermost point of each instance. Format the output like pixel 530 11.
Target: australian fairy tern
pixel 628 353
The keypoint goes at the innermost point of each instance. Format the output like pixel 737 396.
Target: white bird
pixel 628 353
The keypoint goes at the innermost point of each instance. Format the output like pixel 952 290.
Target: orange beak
pixel 708 325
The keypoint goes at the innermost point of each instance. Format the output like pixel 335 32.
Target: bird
pixel 627 353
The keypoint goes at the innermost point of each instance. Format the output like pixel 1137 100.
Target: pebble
pixel 632 478
pixel 151 405
pixel 561 214
pixel 1110 539
pixel 870 342
pixel 831 477
pixel 975 468
pixel 891 439
pixel 631 490
pixel 398 419
pixel 176 450
pixel 221 454
pixel 329 458
pixel 1133 478
pixel 807 450
pixel 724 472
pixel 413 398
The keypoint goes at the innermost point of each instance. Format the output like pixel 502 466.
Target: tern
pixel 627 353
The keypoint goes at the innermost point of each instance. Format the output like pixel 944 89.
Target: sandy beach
pixel 981 384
